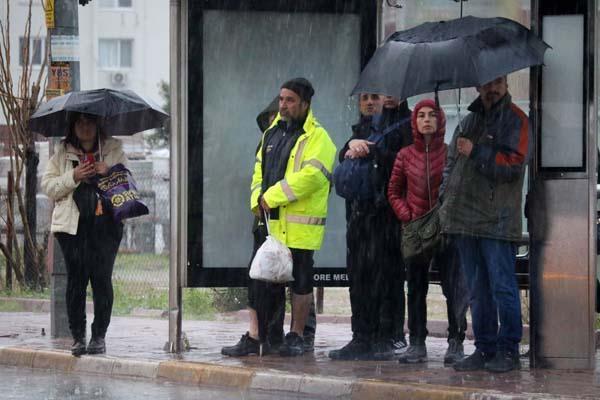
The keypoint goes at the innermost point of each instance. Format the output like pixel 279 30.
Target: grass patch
pixel 11 306
pixel 26 293
pixel 198 304
pixel 125 299
pixel 141 261
pixel 598 321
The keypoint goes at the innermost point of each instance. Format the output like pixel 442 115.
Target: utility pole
pixel 64 61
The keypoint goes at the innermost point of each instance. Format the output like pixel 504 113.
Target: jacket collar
pixel 477 105
pixel 108 145
pixel 309 126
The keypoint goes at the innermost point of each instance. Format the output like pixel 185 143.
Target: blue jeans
pixel 489 267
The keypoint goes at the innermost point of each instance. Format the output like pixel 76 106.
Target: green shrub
pixel 197 303
pixel 229 299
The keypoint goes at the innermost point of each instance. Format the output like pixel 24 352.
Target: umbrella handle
pixel 99 147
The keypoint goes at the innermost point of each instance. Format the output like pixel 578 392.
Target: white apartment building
pixel 124 44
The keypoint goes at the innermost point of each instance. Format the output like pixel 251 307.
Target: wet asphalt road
pixel 32 384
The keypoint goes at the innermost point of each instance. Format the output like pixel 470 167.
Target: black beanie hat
pixel 302 87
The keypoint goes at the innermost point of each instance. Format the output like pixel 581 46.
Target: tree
pixel 19 98
pixel 161 136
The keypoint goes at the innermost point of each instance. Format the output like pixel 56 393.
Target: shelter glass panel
pixel 247 56
pixel 562 137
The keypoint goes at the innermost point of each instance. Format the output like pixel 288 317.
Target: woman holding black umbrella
pixel 87 234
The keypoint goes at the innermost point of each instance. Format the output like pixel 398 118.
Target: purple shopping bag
pixel 118 189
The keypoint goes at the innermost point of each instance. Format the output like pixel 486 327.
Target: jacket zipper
pixel 427 170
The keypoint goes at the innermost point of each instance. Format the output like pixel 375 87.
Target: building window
pixel 35 50
pixel 116 3
pixel 115 53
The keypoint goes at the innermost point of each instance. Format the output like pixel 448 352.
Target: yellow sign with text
pixel 49 11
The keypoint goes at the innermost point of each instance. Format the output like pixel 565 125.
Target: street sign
pixel 59 80
pixel 49 11
pixel 64 48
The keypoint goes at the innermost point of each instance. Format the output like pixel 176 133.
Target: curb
pixel 247 378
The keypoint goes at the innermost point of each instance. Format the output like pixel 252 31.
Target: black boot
pixel 416 353
pixel 504 361
pixel 292 346
pixel 357 349
pixel 454 353
pixel 78 347
pixel 97 345
pixel 244 347
pixel 382 350
pixel 474 362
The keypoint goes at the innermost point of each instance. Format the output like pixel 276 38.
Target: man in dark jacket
pixel 372 239
pixel 481 210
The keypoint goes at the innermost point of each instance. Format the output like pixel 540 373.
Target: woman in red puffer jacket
pixel 413 191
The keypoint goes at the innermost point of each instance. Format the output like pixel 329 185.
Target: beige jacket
pixel 59 185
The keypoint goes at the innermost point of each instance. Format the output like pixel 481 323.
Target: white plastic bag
pixel 272 262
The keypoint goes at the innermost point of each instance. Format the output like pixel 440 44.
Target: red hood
pixel 438 136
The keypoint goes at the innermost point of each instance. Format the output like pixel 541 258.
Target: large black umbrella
pixel 451 54
pixel 121 112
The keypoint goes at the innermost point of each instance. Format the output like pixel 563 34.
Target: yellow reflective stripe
pixel 257 186
pixel 289 193
pixel 319 165
pixel 298 156
pixel 302 219
pixel 258 160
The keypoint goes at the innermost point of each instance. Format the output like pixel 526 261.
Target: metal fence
pixel 142 265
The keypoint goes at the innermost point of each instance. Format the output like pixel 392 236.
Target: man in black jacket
pixel 373 244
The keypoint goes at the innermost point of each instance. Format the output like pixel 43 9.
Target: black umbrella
pixel 121 112
pixel 451 54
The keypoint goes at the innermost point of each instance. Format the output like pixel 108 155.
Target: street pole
pixel 65 25
pixel 178 195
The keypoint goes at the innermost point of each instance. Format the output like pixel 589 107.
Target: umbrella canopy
pixel 121 112
pixel 451 54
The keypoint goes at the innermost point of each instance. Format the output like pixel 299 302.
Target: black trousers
pixel 89 258
pixel 417 273
pixel 454 288
pixel 374 271
pixel 268 299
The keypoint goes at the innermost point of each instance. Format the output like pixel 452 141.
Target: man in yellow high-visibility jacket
pixel 291 182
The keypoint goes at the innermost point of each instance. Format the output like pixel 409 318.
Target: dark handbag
pixel 422 237
pixel 119 191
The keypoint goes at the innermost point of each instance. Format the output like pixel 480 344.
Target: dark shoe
pixel 474 362
pixel 416 353
pixel 78 347
pixel 503 362
pixel 244 347
pixel 96 346
pixel 292 346
pixel 400 345
pixel 356 349
pixel 309 344
pixel 454 353
pixel 383 350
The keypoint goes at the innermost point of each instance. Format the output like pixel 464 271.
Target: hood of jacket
pixel 262 119
pixel 438 137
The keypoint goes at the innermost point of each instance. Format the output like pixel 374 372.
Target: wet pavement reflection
pixel 26 384
pixel 144 339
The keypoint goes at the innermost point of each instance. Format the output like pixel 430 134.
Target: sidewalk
pixel 135 348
